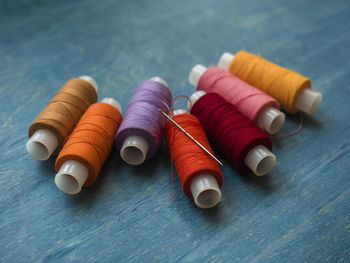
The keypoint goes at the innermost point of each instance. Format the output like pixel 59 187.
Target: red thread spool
pixel 241 141
pixel 199 174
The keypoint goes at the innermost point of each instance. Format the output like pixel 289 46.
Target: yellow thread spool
pixel 290 89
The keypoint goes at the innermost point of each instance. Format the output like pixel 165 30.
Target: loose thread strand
pixel 288 134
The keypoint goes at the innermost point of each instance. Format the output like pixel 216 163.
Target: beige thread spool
pixel 57 120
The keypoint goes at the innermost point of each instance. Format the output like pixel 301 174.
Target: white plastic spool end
pixel 113 103
pixel 308 101
pixel 271 120
pixel 159 80
pixel 42 144
pixel 225 60
pixel 179 111
pixel 196 73
pixel 194 97
pixel 205 191
pixel 71 177
pixel 260 160
pixel 90 80
pixel 134 150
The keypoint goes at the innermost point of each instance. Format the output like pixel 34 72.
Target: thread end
pixel 309 101
pixel 225 60
pixel 42 144
pixel 194 97
pixel 271 120
pixel 260 160
pixel 179 111
pixel 113 103
pixel 159 80
pixel 195 74
pixel 134 150
pixel 71 177
pixel 91 81
pixel 205 191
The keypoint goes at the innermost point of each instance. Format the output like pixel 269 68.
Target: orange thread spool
pixel 92 139
pixel 189 159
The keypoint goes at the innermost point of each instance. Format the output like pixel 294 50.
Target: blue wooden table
pixel 299 213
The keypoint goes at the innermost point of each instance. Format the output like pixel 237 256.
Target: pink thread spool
pixel 253 103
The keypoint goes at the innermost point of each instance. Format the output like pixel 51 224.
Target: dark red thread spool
pixel 245 145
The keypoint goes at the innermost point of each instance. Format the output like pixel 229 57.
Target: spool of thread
pixel 245 145
pixel 87 148
pixel 251 102
pixel 57 120
pixel 199 174
pixel 140 133
pixel 292 90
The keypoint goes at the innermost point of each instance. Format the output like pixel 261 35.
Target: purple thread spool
pixel 140 132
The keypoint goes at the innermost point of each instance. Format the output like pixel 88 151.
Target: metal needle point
pixel 190 136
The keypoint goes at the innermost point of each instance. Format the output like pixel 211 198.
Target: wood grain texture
pixel 300 213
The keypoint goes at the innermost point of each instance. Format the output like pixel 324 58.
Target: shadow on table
pixel 103 186
pixel 193 214
pixel 116 172
pixel 266 183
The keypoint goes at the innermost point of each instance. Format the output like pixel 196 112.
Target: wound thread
pixel 233 133
pixel 247 99
pixel 64 110
pixel 92 139
pixel 283 84
pixel 189 159
pixel 142 116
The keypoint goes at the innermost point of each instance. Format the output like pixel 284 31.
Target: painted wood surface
pixel 299 213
